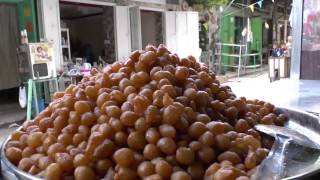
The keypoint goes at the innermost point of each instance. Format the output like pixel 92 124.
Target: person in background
pixel 283 49
pixel 289 46
pixel 276 50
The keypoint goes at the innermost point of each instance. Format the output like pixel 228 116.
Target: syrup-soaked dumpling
pixel 154 116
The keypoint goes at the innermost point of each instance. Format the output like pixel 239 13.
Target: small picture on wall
pixel 41 52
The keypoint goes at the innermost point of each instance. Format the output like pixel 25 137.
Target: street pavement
pixel 298 94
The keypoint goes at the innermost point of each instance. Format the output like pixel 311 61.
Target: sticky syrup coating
pixel 153 116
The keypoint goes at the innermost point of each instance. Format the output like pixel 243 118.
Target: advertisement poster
pixel 41 52
pixel 310 64
pixel 311 26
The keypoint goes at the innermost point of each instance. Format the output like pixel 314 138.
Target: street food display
pixel 155 116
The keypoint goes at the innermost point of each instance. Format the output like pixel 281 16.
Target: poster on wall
pixel 311 26
pixel 41 60
pixel 310 64
pixel 41 52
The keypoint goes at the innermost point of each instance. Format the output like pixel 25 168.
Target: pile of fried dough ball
pixel 155 116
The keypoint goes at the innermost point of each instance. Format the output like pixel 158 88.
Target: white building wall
pixel 51 27
pixel 182 33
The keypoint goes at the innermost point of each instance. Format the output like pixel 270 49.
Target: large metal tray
pixel 305 163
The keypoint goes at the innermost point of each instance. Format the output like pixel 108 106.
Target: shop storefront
pixel 306 40
pixel 109 31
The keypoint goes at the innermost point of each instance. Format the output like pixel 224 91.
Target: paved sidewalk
pixel 11 113
pixel 299 94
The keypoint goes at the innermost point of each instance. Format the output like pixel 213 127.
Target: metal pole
pixel 217 41
pixel 260 62
pixel 239 63
pixel 297 8
pixel 35 97
pixel 57 84
pixel 29 105
pixel 254 62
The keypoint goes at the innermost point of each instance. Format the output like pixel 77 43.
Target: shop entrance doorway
pixel 91 32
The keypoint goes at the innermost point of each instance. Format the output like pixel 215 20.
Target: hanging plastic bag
pixel 22 96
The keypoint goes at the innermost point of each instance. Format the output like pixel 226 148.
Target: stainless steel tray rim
pixel 16 171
